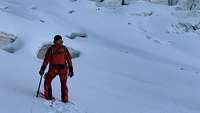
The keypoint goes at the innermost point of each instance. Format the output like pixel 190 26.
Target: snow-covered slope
pixel 131 62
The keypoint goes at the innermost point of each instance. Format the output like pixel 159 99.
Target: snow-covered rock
pixel 180 13
pixel 112 3
pixel 165 2
pixel 10 42
pixel 186 27
pixel 6 38
pixel 42 50
pixel 197 26
pixel 150 13
pixel 74 35
pixel 189 4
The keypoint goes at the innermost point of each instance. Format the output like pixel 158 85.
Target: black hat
pixel 57 37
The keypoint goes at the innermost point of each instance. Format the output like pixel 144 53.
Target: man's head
pixel 58 40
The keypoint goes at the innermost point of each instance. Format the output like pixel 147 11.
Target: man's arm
pixel 68 57
pixel 45 62
pixel 69 61
pixel 47 57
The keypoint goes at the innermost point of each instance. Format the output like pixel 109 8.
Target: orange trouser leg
pixel 47 85
pixel 64 88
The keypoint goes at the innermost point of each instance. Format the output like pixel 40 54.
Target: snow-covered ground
pixel 132 61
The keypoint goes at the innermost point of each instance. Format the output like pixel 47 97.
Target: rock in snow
pixel 42 50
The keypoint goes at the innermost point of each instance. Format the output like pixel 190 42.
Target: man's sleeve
pixel 69 61
pixel 47 57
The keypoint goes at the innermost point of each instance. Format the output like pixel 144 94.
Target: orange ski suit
pixel 59 59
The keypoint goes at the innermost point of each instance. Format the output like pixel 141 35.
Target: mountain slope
pixel 128 62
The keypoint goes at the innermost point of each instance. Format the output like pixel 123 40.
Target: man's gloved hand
pixel 41 72
pixel 42 69
pixel 71 72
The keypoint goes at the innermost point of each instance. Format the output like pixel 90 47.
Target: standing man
pixel 59 60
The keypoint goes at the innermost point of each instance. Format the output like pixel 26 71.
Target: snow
pixel 130 62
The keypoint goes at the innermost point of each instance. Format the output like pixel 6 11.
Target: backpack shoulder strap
pixel 64 47
pixel 51 49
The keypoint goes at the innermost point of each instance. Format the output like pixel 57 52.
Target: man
pixel 59 60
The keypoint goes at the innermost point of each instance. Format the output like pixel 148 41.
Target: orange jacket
pixel 57 54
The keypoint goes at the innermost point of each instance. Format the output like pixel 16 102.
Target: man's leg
pixel 47 85
pixel 64 88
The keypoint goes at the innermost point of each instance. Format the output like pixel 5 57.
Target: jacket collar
pixel 58 45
